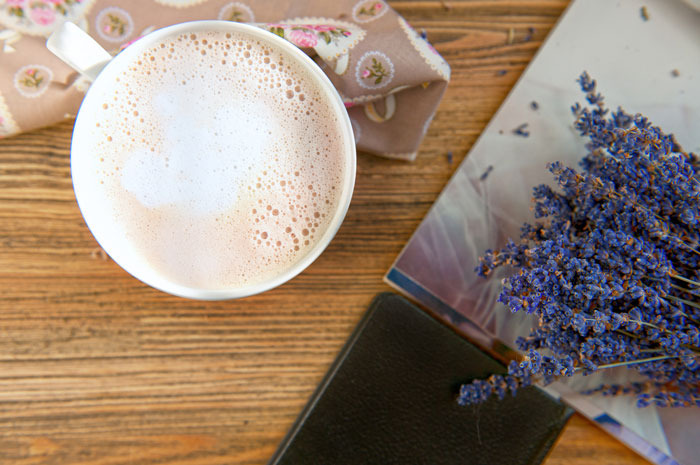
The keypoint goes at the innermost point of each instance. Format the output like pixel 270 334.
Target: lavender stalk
pixel 602 265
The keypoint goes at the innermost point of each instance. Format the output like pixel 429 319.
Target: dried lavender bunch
pixel 611 265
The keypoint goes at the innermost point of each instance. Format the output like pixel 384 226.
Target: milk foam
pixel 220 159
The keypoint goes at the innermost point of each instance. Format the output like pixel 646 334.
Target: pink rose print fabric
pixel 303 37
pixel 390 79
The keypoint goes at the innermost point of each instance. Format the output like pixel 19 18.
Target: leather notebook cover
pixel 389 398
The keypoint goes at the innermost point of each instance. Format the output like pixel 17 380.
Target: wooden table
pixel 97 368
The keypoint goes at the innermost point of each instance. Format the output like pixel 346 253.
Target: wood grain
pixel 97 368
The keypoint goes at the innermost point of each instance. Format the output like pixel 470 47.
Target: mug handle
pixel 78 50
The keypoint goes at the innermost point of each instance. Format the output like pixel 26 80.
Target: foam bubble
pixel 213 169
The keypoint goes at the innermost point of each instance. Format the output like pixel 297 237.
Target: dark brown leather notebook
pixel 389 398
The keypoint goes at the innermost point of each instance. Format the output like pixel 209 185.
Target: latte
pixel 219 159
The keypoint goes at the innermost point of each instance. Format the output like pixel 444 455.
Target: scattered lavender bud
pixel 501 72
pixel 530 34
pixel 486 173
pixel 534 105
pixel 449 157
pixel 423 34
pixel 522 130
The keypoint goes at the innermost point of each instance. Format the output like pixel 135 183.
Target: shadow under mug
pixel 80 51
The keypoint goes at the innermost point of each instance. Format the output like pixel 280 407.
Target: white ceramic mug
pixel 81 52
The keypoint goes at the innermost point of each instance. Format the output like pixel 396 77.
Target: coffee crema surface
pixel 220 158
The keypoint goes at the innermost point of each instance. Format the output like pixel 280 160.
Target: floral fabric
pixel 390 78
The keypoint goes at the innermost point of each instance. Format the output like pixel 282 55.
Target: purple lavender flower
pixel 611 265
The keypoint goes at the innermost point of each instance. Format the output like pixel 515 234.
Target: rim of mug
pixel 147 275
